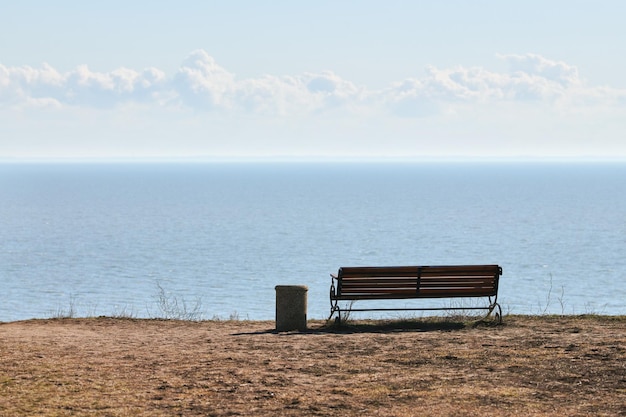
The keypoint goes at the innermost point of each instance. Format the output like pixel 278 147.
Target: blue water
pixel 215 239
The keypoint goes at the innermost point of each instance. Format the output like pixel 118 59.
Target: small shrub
pixel 175 308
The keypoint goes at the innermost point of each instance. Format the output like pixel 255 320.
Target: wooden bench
pixel 406 282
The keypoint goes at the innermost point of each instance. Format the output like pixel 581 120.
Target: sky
pixel 295 80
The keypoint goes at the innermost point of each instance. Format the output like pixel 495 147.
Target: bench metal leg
pixel 334 303
pixel 334 308
pixel 497 312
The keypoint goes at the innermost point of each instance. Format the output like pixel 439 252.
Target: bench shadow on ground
pixel 392 326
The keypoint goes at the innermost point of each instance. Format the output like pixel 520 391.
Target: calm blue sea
pixel 215 239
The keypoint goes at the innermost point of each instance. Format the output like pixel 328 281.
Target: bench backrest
pixel 418 281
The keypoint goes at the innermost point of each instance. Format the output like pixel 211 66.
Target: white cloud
pixel 533 78
pixel 533 64
pixel 202 84
pixel 22 86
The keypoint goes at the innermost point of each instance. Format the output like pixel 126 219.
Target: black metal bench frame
pixel 407 282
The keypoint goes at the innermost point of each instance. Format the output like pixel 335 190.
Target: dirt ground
pixel 530 366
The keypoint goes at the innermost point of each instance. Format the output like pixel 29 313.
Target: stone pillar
pixel 291 307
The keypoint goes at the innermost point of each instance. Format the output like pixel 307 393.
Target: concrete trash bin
pixel 291 307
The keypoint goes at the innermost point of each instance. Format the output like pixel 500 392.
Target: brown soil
pixel 544 366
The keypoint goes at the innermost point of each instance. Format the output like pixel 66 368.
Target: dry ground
pixel 544 366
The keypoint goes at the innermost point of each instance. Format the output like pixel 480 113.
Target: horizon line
pixel 309 159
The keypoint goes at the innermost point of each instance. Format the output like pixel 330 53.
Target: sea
pixel 212 240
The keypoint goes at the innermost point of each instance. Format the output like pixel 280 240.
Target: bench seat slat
pixel 376 297
pixel 451 283
pixel 414 270
pixel 389 285
pixel 409 295
pixel 423 278
pixel 379 279
pixel 348 289
pixel 374 274
pixel 458 292
pixel 460 280
pixel 409 291
pixel 413 282
pixel 465 269
pixel 355 282
pixel 422 292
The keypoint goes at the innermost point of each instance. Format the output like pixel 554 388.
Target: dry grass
pixel 544 366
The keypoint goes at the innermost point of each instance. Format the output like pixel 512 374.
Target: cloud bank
pixel 202 85
pixel 534 107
